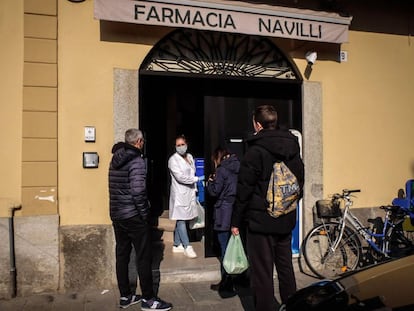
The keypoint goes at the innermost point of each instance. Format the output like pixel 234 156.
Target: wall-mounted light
pixel 311 57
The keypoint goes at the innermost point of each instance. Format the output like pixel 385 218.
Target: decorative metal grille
pixel 216 53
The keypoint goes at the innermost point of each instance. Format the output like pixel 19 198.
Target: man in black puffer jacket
pixel 129 209
pixel 269 240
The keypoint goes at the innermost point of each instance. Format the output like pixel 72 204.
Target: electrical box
pixel 343 56
pixel 90 134
pixel 90 160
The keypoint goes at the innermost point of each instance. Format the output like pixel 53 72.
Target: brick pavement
pixel 185 296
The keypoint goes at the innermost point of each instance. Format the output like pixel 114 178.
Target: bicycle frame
pixel 368 235
pixel 364 232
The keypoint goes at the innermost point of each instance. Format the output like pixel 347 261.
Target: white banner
pixel 229 16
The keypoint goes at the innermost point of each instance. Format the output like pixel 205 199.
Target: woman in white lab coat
pixel 182 205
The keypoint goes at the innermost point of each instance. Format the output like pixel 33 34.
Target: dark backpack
pixel 283 191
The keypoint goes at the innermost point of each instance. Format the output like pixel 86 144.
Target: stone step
pixel 167 226
pixel 176 267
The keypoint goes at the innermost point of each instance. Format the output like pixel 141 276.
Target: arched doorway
pixel 205 85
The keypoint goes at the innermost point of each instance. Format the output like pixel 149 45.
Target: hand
pixel 201 178
pixel 235 230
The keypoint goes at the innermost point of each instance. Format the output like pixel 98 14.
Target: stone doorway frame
pixel 233 55
pixel 126 107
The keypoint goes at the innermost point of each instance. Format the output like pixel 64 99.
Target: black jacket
pixel 224 188
pixel 127 183
pixel 264 149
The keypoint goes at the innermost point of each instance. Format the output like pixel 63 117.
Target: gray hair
pixel 132 136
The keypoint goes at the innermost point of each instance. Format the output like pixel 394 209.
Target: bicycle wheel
pixel 325 262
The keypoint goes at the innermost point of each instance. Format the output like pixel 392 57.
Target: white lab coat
pixel 183 187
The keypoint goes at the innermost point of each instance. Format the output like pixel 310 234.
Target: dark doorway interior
pixel 209 112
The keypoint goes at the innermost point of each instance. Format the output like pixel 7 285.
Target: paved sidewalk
pixel 185 296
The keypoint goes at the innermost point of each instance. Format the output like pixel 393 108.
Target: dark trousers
pixel 266 251
pixel 223 239
pixel 136 232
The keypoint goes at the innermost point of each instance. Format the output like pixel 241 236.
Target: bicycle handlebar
pixel 345 193
pixel 391 208
pixel 351 191
pixel 397 209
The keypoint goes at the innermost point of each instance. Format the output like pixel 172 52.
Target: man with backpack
pixel 269 236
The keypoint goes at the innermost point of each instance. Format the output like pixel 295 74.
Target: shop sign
pixel 264 20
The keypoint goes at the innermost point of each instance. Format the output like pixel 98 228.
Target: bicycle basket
pixel 328 209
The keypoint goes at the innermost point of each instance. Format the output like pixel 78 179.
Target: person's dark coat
pixel 264 149
pixel 224 188
pixel 127 183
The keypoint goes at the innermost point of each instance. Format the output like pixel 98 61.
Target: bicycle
pixel 334 247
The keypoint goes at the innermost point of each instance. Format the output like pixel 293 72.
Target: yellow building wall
pixel 366 113
pixel 367 117
pixel 85 98
pixel 39 114
pixel 11 94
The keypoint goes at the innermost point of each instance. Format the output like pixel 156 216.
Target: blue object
pixel 409 192
pixel 406 203
pixel 199 164
pixel 295 233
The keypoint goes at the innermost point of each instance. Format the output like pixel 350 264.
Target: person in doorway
pixel 129 208
pixel 182 201
pixel 222 185
pixel 269 239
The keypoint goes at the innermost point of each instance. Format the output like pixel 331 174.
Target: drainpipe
pixel 12 253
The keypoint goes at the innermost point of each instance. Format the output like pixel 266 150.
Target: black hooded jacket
pixel 264 149
pixel 127 183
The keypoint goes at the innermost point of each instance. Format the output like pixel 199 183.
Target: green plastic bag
pixel 235 260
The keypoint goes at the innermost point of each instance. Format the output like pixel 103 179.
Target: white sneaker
pixel 189 252
pixel 178 249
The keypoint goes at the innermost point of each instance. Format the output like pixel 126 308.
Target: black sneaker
pixel 215 287
pixel 125 302
pixel 226 288
pixel 155 304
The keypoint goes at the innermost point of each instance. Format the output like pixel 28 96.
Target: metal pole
pixel 13 274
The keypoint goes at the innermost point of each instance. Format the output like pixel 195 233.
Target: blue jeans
pixel 180 234
pixel 133 231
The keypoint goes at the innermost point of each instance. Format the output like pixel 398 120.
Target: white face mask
pixel 181 150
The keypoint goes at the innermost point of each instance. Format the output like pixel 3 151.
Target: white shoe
pixel 189 252
pixel 178 249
